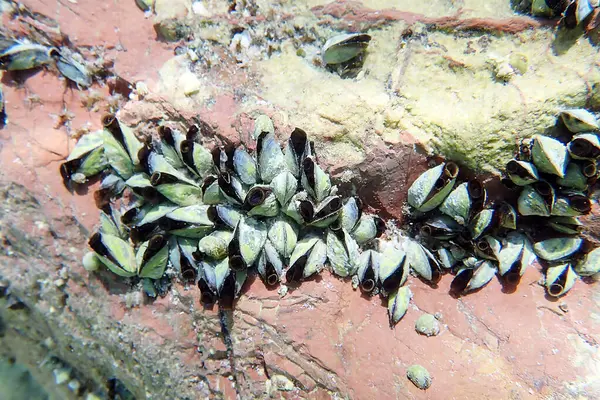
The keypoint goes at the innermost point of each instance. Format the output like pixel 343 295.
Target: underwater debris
pixel 215 216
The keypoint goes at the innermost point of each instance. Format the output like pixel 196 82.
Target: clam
pixel 579 120
pixel 589 265
pixel 72 69
pixel 116 254
pixel 182 258
pixel 211 193
pixel 368 270
pixel 398 304
pixel 196 158
pixel 482 222
pixel 225 215
pixel 215 245
pixel 537 199
pixel 283 236
pixel 393 270
pixel 170 146
pixel 450 256
pixel 559 279
pixel 515 256
pixel 557 248
pixel 270 265
pixel 207 282
pixel 284 186
pixel 567 225
pixel 86 159
pixel 584 146
pixel 522 173
pixel 368 228
pixel 549 155
pixel 574 178
pixel 307 259
pixel 441 227
pixel 248 240
pixel 271 161
pixel 464 200
pixel 141 185
pixel 261 201
pixel 22 56
pixel 231 188
pixel 507 215
pixel 420 260
pixel 229 283
pixel 314 180
pixel 324 215
pixel 571 205
pixel 342 252
pixel 263 125
pixel 350 213
pixel 488 247
pixel 245 167
pixel 179 192
pixel 431 188
pixel 193 221
pixel 473 276
pixel 298 148
pixel 343 48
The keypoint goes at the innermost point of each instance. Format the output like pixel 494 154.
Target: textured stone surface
pixel 435 88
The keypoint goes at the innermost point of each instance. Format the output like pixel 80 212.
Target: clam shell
pixel 392 269
pixel 589 265
pixel 441 227
pixel 559 279
pixel 567 225
pixel 342 252
pixel 398 304
pixel 284 186
pixel 152 257
pixel 427 325
pixel 550 155
pixel 269 265
pixel 215 245
pixel 342 48
pixel 314 180
pixel 423 194
pixel 263 125
pixel 283 236
pixel 245 167
pixel 261 201
pixel 73 70
pixel 350 214
pixel 481 222
pixel 530 202
pixel 115 253
pixel 579 120
pixel 522 173
pixel 574 178
pixel 271 161
pixel 307 259
pixel 368 228
pixel 298 148
pixel 584 146
pixel 482 275
pixel 557 248
pixel 196 158
pixel 419 259
pixel 22 56
pixel 368 270
pixel 248 240
pixel 458 204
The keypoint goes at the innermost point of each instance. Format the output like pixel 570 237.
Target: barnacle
pixel 214 217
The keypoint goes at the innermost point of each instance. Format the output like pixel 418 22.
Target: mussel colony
pixel 572 13
pixel 213 217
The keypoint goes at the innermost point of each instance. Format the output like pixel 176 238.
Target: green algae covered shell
pixel 431 188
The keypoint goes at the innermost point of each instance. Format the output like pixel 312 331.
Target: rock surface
pixel 430 81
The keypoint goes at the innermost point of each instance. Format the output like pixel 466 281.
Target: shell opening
pixel 451 170
pixel 156 242
pixel 543 188
pixel 476 189
pixel 192 132
pixel 237 263
pixel 272 279
pixel 367 285
pixel 555 289
pixel 128 216
pixel 512 278
pixel 186 146
pixel 581 204
pixel 483 245
pixel 589 169
pixel 256 196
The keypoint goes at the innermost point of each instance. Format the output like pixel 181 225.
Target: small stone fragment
pixel 281 382
pixel 419 376
pixel 427 325
pixel 61 375
pixel 90 261
pixel 74 385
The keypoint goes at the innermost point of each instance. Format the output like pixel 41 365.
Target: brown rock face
pixel 322 340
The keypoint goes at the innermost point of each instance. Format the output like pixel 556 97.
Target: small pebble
pixel 419 376
pixel 61 375
pixel 90 261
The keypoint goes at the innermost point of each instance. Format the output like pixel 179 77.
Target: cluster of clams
pixel 211 217
pixel 551 185
pixel 18 55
